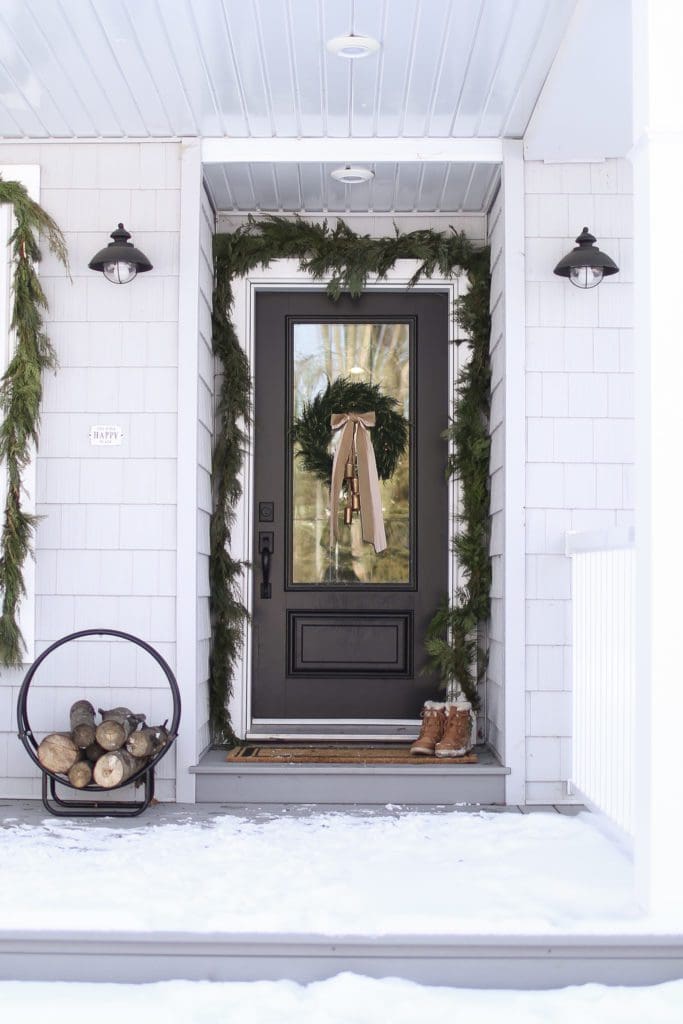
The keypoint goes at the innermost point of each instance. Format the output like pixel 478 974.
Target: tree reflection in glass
pixel 375 353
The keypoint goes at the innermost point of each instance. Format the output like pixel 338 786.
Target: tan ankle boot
pixel 457 737
pixel 433 724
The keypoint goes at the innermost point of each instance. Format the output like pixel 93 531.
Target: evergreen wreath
pixel 21 391
pixel 348 260
pixel 313 433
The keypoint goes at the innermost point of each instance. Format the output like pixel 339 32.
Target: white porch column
pixel 188 406
pixel 658 159
pixel 515 470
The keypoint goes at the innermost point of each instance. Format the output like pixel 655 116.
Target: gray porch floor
pixel 32 812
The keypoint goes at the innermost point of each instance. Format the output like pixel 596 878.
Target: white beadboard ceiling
pixel 259 70
pixel 308 187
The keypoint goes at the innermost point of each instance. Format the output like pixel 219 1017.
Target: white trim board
pixel 285 275
pixel 345 151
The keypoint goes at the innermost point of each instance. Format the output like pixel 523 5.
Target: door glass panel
pixel 375 353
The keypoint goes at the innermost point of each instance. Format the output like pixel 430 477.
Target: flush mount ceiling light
pixel 120 261
pixel 585 266
pixel 352 175
pixel 352 47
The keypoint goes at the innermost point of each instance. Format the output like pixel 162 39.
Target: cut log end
pixel 58 752
pixel 148 741
pixel 116 767
pixel 80 774
pixel 82 721
pixel 111 735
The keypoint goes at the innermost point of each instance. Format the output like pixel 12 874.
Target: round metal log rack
pixel 94 808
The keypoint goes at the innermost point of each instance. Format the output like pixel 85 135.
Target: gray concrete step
pixel 470 961
pixel 340 785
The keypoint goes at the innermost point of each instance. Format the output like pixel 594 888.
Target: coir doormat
pixel 330 754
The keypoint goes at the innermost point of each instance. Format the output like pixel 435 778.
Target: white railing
pixel 603 608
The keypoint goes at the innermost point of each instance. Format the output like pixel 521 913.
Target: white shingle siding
pixel 105 549
pixel 494 703
pixel 579 428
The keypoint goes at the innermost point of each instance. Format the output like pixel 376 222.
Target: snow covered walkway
pixel 346 999
pixel 402 872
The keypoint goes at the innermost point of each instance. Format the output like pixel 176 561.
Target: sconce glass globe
pixel 586 277
pixel 119 272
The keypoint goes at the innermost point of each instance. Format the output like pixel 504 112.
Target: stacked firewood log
pixel 106 754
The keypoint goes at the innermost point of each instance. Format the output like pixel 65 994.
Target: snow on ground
pixel 346 999
pixel 327 873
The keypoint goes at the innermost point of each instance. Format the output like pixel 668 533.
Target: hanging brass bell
pixel 355 485
pixel 348 515
pixel 348 470
pixel 355 502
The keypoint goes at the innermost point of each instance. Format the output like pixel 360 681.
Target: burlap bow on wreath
pixel 355 447
pixel 312 433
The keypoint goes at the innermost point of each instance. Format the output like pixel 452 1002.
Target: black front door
pixel 340 636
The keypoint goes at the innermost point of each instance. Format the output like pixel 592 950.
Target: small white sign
pixel 100 435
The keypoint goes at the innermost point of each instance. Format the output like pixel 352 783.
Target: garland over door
pixel 338 622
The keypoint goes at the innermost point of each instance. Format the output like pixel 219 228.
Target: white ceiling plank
pixel 457 180
pixel 98 53
pixel 19 118
pixel 307 59
pixel 220 65
pixel 407 180
pixel 67 44
pixel 521 40
pixel 366 74
pixel 265 186
pixel 335 21
pixel 42 49
pixel 239 18
pixel 429 52
pixel 559 14
pixel 484 57
pixel 275 51
pixel 460 37
pixel 287 183
pixel 398 60
pixel 431 187
pixel 352 150
pixel 25 93
pixel 313 193
pixel 241 187
pixel 337 197
pixel 383 186
pixel 167 47
pixel 125 44
pixel 359 197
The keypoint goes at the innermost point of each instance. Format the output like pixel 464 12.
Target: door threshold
pixel 322 730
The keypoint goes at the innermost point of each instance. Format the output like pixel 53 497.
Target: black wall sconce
pixel 120 261
pixel 586 266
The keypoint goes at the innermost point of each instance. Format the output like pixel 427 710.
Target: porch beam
pixel 350 151
pixel 657 159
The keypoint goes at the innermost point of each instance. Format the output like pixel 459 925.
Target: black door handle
pixel 265 546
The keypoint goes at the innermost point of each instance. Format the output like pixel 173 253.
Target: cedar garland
pixel 348 260
pixel 21 392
